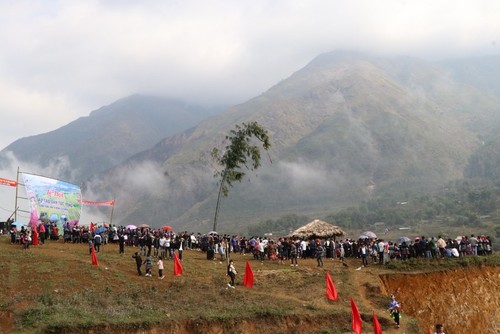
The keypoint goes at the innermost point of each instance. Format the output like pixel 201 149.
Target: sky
pixel 62 59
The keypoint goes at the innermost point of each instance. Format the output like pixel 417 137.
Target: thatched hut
pixel 318 229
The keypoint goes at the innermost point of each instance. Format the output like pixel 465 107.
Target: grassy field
pixel 54 288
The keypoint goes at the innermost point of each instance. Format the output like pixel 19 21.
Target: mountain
pixel 345 128
pixel 108 136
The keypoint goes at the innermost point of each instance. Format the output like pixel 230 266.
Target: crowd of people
pixel 162 243
pixel 368 250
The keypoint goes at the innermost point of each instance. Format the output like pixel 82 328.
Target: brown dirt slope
pixel 466 300
pixel 54 288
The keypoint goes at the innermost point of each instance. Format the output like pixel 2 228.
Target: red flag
pixel 6 182
pixel 92 203
pixel 356 318
pixel 377 329
pixel 92 226
pixel 94 257
pixel 248 278
pixel 177 266
pixel 331 291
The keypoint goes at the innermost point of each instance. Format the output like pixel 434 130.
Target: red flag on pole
pixel 7 182
pixel 331 291
pixel 177 266
pixel 94 257
pixel 377 329
pixel 248 278
pixel 356 318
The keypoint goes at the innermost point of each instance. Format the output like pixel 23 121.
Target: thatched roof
pixel 318 229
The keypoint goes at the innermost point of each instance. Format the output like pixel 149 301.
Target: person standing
pixel 221 250
pixel 303 248
pixel 380 249
pixel 262 247
pixel 149 266
pixel 163 246
pixel 160 268
pixel 363 251
pixel 320 253
pixel 149 242
pixel 142 244
pixel 473 243
pixel 35 237
pixel 41 229
pixel 394 308
pixel 156 245
pixel 341 252
pixel 138 262
pixel 121 243
pixel 441 244
pixel 181 247
pixel 293 253
pixel 231 272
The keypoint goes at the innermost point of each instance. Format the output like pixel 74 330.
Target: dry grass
pixel 54 288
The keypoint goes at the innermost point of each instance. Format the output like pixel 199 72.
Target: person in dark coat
pixel 121 242
pixel 138 262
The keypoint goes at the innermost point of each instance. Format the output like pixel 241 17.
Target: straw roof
pixel 318 229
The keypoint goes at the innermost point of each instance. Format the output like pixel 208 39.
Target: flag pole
pixel 17 187
pixel 111 217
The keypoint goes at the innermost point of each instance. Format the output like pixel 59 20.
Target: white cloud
pixel 302 175
pixel 60 60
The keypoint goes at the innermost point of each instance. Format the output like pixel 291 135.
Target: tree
pixel 240 149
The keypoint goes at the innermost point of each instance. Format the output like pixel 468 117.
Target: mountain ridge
pixel 345 128
pixel 411 138
pixel 113 133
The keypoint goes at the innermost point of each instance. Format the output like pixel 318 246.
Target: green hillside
pixel 346 128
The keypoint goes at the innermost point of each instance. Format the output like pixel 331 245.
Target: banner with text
pixel 52 198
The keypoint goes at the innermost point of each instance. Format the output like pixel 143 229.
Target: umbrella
pixel 131 227
pixel 370 234
pixel 54 217
pixel 212 233
pixel 363 237
pixel 143 226
pixel 404 239
pixel 166 228
pixel 18 224
pixel 100 230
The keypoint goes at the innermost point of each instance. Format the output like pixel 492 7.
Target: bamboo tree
pixel 242 151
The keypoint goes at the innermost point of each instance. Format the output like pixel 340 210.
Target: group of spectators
pixel 159 242
pixel 428 247
pixel 369 250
